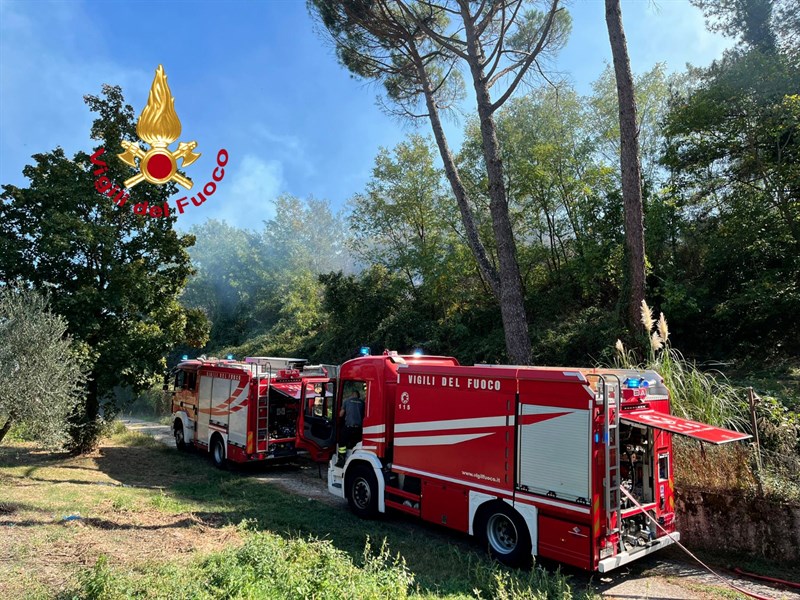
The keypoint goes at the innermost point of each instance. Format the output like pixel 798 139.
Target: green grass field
pixel 155 523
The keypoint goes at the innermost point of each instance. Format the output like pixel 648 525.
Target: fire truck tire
pixel 362 491
pixel 180 440
pixel 504 532
pixel 218 452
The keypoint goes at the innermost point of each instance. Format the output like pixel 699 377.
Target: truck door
pixel 316 431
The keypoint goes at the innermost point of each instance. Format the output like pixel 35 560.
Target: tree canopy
pixel 113 275
pixel 41 376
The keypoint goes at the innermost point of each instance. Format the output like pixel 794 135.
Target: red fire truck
pixel 252 410
pixel 569 464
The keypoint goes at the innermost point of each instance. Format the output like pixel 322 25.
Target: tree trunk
pixel 6 427
pixel 485 267
pixel 512 297
pixel 84 430
pixel 629 164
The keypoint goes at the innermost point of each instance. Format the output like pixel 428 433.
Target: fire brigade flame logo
pixel 159 126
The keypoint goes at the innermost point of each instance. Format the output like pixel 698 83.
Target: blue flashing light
pixel 229 357
pixel 596 438
pixel 185 357
pixel 418 352
pixel 635 382
pixel 364 351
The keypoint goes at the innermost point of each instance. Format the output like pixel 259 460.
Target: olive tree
pixel 41 379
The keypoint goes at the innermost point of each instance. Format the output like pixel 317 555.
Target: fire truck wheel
pixel 177 430
pixel 218 453
pixel 504 531
pixel 362 491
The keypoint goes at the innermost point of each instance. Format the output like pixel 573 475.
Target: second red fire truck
pixel 255 410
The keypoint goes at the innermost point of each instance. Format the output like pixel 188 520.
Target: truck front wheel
pixel 506 534
pixel 362 491
pixel 177 430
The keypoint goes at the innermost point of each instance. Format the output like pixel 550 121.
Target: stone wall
pixel 722 521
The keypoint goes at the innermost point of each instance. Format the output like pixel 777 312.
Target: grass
pixel 157 523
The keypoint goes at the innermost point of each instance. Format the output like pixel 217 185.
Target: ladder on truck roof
pixel 611 395
pixel 275 363
pixel 266 367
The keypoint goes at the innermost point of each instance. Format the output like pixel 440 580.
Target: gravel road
pixel 652 578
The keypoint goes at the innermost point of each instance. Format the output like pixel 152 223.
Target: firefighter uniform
pixel 353 413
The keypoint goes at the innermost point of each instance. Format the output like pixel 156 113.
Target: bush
pixel 266 566
pixel 41 374
pixel 710 398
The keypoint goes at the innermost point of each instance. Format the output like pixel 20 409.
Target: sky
pixel 253 77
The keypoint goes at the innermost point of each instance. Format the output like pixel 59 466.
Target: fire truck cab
pixel 259 409
pixel 569 464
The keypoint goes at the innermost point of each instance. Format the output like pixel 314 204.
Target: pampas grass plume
pixel 663 330
pixel 656 343
pixel 647 316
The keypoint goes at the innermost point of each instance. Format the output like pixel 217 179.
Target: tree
pixel 404 220
pixel 629 165
pixel 114 275
pixel 417 52
pixel 41 378
pixel 233 273
pixel 733 150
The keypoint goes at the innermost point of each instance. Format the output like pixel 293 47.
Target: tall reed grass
pixel 705 396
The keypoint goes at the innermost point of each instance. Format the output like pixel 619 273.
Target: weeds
pixel 266 566
pixel 271 566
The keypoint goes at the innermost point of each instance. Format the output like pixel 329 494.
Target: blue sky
pixel 254 78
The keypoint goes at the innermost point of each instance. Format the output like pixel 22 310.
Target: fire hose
pixel 793 584
pixel 689 552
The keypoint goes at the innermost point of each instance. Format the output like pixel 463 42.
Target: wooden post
pixel 753 400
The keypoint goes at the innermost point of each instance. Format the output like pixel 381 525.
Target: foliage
pixel 709 397
pixel 41 376
pixel 270 566
pixel 113 275
pixel 727 254
pixel 266 566
pixel 718 146
pixel 264 283
pixel 421 53
pixel 405 221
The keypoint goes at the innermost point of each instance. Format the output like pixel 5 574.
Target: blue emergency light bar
pixel 418 352
pixel 364 351
pixel 229 357
pixel 185 357
pixel 635 382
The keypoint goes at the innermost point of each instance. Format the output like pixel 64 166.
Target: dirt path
pixel 652 578
pixel 303 478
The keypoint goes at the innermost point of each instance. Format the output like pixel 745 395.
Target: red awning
pixel 693 429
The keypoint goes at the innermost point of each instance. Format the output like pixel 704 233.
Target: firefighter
pixel 353 413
